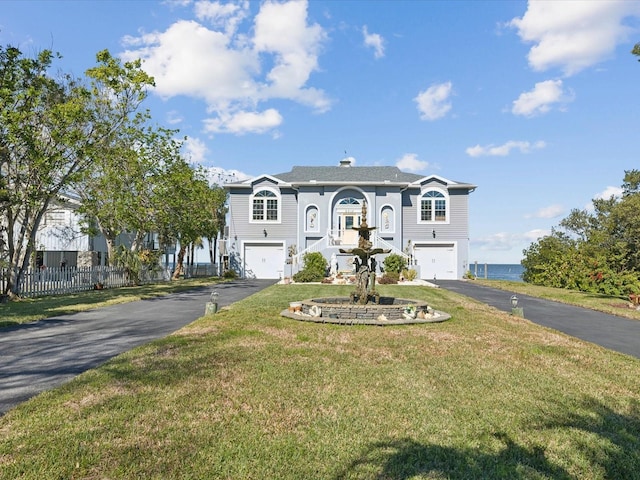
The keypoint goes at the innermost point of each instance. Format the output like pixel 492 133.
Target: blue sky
pixel 534 102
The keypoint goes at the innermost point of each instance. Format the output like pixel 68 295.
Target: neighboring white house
pixel 60 238
pixel 424 218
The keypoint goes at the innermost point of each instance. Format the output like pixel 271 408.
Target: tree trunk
pixel 111 248
pixel 212 255
pixel 179 263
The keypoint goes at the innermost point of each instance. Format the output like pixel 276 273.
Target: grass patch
pixel 33 309
pixel 247 394
pixel 594 301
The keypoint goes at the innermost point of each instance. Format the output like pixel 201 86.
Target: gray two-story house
pixel 275 219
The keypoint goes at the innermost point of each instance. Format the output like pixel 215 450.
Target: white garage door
pixel 263 260
pixel 436 261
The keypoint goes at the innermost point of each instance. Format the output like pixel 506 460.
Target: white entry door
pixel 263 260
pixel 346 224
pixel 436 261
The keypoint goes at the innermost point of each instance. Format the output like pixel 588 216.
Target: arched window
pixel 434 207
pixel 349 201
pixel 265 206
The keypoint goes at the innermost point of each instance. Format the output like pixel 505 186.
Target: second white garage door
pixel 436 261
pixel 263 260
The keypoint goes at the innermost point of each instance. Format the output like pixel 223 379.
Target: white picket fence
pixel 58 281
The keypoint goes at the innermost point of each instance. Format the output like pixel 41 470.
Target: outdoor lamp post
pixel 515 310
pixel 212 304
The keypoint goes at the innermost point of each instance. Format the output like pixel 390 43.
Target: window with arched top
pixel 265 206
pixel 434 207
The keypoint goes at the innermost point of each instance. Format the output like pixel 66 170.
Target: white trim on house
pixel 251 181
pixel 278 195
pixel 447 200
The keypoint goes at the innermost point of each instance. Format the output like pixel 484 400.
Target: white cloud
pixel 433 102
pixel 501 241
pixel 504 241
pixel 281 29
pixel 240 123
pixel 227 16
pixel 552 211
pixel 220 176
pixel 410 162
pixel 504 149
pixel 574 35
pixel 210 59
pixel 540 100
pixel 609 192
pixel 606 194
pixel 195 150
pixel 374 41
pixel 173 117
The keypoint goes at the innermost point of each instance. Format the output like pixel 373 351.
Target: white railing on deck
pixel 334 238
pixel 379 242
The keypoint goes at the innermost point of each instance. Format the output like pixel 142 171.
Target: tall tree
pixel 595 250
pixel 43 130
pixel 50 130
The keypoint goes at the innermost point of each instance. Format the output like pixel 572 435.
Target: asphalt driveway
pixel 42 355
pixel 609 331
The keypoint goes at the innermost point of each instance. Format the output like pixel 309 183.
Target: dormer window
pixel 434 207
pixel 265 206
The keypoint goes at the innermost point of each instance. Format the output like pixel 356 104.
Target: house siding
pixel 308 213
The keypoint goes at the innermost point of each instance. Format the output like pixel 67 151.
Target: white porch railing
pixel 379 242
pixel 335 239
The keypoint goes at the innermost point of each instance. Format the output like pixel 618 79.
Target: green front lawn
pixel 247 394
pixel 595 301
pixel 33 309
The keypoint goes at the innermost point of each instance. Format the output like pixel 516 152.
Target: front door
pixel 346 223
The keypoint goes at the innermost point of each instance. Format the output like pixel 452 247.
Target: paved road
pixel 609 331
pixel 42 355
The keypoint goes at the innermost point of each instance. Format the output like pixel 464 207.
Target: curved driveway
pixel 38 356
pixel 609 331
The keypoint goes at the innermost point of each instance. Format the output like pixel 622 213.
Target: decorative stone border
pixel 390 311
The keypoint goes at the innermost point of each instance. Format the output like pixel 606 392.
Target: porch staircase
pixel 331 243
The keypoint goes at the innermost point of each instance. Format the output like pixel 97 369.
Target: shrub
pixel 394 263
pixel 389 278
pixel 409 274
pixel 230 274
pixel 314 269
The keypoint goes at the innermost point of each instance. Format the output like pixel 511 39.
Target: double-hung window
pixel 265 207
pixel 433 207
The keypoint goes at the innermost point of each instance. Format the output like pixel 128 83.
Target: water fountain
pixel 365 305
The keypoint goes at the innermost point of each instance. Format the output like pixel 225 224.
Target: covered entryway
pixel 436 261
pixel 263 260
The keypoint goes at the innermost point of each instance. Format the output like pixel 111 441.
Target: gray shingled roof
pixel 347 174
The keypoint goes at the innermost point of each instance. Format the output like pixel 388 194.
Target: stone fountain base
pixel 388 311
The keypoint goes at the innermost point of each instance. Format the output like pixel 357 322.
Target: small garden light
pixel 515 310
pixel 212 305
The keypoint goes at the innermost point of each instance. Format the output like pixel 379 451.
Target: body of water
pixel 498 271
